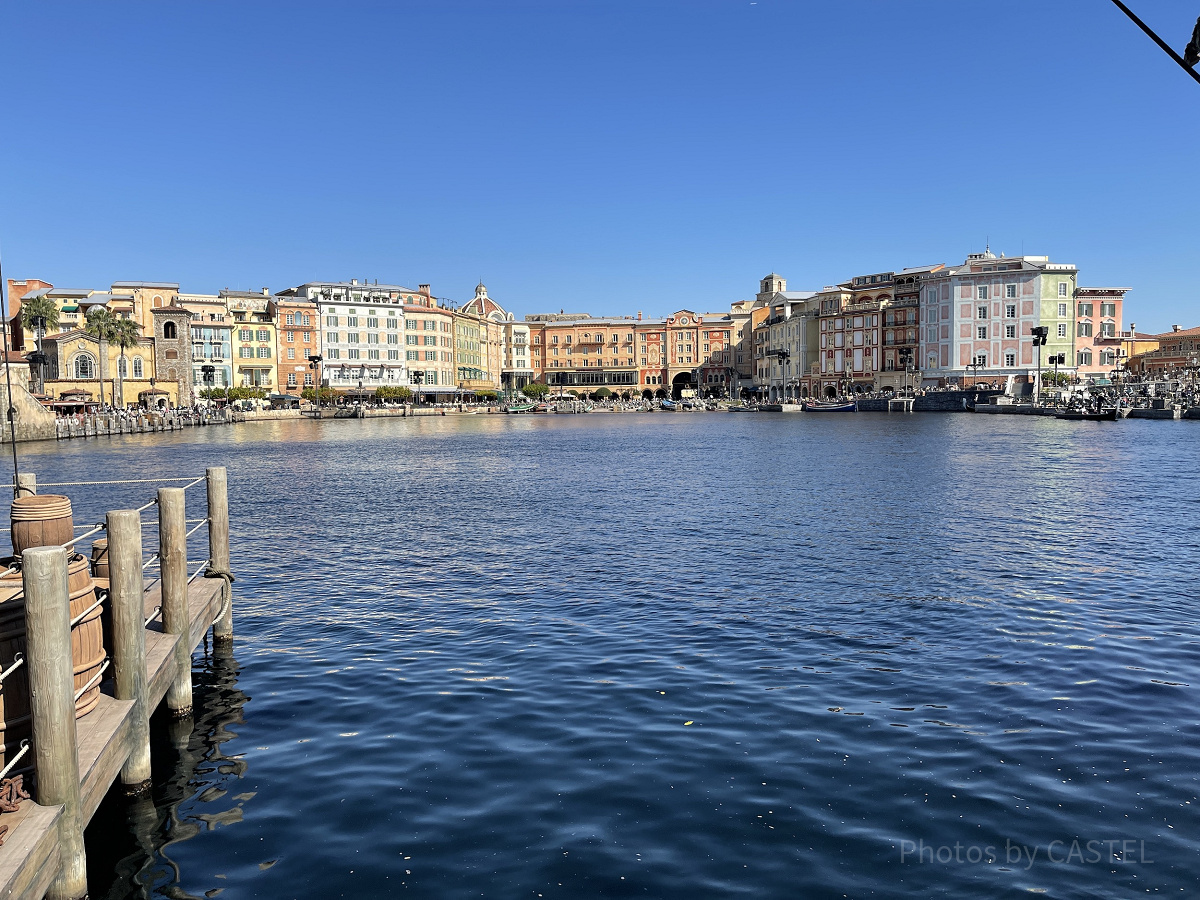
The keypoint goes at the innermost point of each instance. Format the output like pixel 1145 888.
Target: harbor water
pixel 679 655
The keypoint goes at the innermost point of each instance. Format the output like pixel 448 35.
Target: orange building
pixel 298 336
pixel 683 354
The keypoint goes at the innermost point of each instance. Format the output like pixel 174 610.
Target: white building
pixel 791 338
pixel 362 327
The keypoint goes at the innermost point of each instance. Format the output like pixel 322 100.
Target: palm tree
pixel 100 324
pixel 125 334
pixel 45 310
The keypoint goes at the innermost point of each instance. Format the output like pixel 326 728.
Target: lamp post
pixel 1039 333
pixel 314 363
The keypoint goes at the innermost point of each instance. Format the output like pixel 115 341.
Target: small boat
pixel 1082 415
pixel 669 405
pixel 518 408
pixel 818 406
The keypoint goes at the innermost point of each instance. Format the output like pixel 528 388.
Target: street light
pixel 314 363
pixel 1039 333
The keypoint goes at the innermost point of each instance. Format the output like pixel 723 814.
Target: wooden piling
pixel 52 702
pixel 218 545
pixel 129 639
pixel 26 484
pixel 172 554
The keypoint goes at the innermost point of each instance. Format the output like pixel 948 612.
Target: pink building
pixel 1098 312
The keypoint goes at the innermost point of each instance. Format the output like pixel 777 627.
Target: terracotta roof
pixel 1166 336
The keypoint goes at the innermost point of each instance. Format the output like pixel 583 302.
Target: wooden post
pixel 52 701
pixel 26 484
pixel 172 555
pixel 218 545
pixel 129 638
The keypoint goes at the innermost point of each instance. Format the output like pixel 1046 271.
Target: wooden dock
pixel 42 852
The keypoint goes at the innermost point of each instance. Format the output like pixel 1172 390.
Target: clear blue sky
pixel 604 157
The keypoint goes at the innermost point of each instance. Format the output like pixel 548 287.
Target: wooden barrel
pixel 87 648
pixel 42 520
pixel 100 557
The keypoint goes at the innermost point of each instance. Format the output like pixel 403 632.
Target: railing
pixel 47 659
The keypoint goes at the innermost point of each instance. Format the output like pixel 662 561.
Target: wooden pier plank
pixel 103 738
pixel 29 858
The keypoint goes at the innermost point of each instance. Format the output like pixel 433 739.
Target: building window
pixel 291 336
pixel 137 367
pixel 982 312
pixel 169 332
pixel 290 319
pixel 333 353
pixel 291 353
pixel 1085 329
pixel 352 321
pixel 412 355
pixel 393 354
pixel 1010 359
pixel 1084 357
pixel 263 334
pixel 1108 310
pixel 332 321
pixel 981 359
pixel 981 332
pixel 1062 289
pixel 983 292
pixel 1062 329
pixel 352 354
pixel 291 379
pixel 1108 329
pixel 1085 310
pixel 245 334
pixel 1010 311
pixel 264 352
pixel 245 352
pixel 1010 291
pixel 331 337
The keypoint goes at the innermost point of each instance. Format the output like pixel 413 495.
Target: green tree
pixel 393 394
pixel 327 394
pixel 486 396
pixel 214 393
pixel 246 393
pixel 125 334
pixel 536 390
pixel 601 393
pixel 44 308
pixel 100 324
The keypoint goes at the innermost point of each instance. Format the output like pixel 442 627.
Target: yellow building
pixel 254 339
pixel 143 298
pixel 74 364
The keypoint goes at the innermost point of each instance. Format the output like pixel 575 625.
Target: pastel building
pixel 253 339
pixel 298 336
pixel 1098 312
pixel 212 341
pixel 977 319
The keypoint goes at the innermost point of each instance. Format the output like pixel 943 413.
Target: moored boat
pixel 518 408
pixel 842 406
pixel 1083 415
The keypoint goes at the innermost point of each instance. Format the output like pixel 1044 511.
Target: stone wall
pixel 33 421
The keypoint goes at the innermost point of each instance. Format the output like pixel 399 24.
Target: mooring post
pixel 52 702
pixel 26 484
pixel 172 555
pixel 218 546
pixel 129 639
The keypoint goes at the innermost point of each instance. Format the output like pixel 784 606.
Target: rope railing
pixel 18 661
pixel 151 561
pixel 196 574
pixel 91 682
pixel 153 615
pixel 203 522
pixel 12 762
pixel 189 478
pixel 69 544
pixel 83 615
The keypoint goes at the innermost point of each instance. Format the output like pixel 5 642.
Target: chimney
pixel 354 281
pixel 639 315
pixel 1133 329
pixel 1175 327
pixel 266 292
pixel 423 289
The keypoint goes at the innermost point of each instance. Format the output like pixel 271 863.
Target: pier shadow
pixel 129 840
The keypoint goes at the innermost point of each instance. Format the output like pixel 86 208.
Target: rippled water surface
pixel 691 655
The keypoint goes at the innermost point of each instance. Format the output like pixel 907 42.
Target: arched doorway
pixel 681 382
pixel 647 394
pixel 661 393
pixel 830 391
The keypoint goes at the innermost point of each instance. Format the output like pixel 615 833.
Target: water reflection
pixel 195 791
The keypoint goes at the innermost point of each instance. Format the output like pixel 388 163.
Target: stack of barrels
pixel 42 521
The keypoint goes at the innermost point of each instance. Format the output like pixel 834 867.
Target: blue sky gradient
pixel 604 157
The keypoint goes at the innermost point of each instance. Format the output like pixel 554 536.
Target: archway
pixel 830 391
pixel 681 382
pixel 647 394
pixel 661 393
